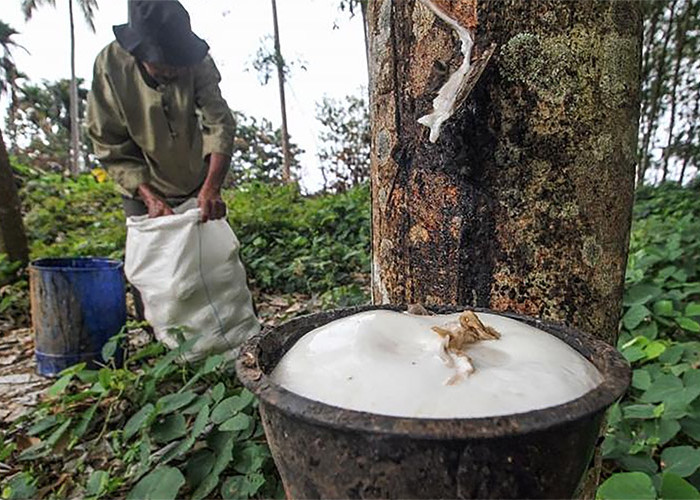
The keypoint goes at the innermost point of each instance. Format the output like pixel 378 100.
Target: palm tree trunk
pixel 287 165
pixel 13 240
pixel 74 118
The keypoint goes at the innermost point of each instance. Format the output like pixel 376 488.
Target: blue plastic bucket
pixel 77 305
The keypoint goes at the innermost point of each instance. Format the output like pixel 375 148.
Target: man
pixel 165 134
pixel 156 116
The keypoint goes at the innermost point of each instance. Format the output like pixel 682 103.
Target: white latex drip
pixel 444 102
pixel 391 363
pixel 461 364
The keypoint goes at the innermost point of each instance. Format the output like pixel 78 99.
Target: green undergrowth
pixel 14 293
pixel 72 217
pixel 152 429
pixel 652 441
pixel 289 242
pixel 302 244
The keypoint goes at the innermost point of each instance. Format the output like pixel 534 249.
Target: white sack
pixel 190 276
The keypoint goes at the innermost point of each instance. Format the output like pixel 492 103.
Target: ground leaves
pixel 20 487
pixel 250 458
pixel 138 421
pixel 229 407
pixel 239 422
pixel 60 385
pixel 169 428
pixel 171 402
pixel 223 447
pixel 199 466
pixel 681 460
pixel 97 484
pixel 674 487
pixel 162 483
pixel 242 486
pixel 626 486
pixel 635 315
pixel 113 423
pixel 688 324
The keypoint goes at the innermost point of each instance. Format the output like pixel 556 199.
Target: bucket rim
pixel 253 375
pixel 63 264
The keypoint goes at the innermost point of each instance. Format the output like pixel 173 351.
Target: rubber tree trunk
pixel 524 202
pixel 13 240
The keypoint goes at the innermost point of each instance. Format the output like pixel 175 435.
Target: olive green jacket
pixel 158 134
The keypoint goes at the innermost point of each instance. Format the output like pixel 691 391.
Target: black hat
pixel 159 32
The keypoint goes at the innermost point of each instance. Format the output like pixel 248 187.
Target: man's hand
pixel 209 199
pixel 156 205
pixel 211 204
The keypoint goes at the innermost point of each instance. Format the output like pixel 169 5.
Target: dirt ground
pixel 21 387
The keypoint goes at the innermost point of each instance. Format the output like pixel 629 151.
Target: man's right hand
pixel 156 204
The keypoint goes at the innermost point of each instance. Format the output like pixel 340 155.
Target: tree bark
pixel 524 202
pixel 286 153
pixel 13 240
pixel 74 113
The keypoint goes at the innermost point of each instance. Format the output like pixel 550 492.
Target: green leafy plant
pixel 154 428
pixel 652 439
pixel 300 244
pixel 14 301
pixel 290 243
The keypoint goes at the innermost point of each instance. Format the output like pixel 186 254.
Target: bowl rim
pixel 613 367
pixel 68 264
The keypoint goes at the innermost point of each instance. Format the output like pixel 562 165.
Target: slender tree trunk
pixel 74 114
pixel 363 9
pixel 656 95
pixel 12 109
pixel 13 240
pixel 287 165
pixel 690 137
pixel 656 11
pixel 678 56
pixel 656 8
pixel 524 202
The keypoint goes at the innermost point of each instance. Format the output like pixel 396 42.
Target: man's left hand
pixel 211 204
